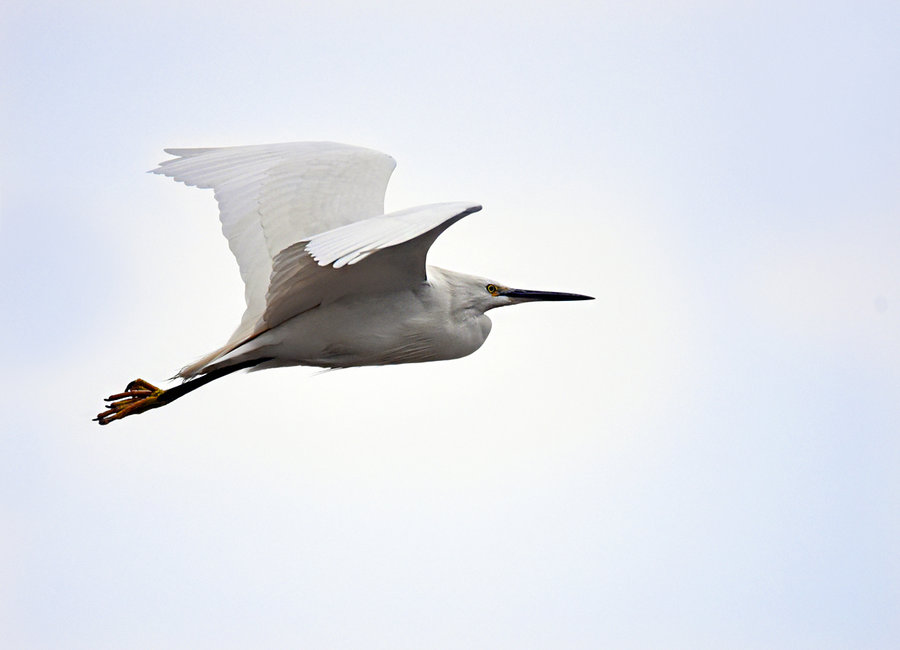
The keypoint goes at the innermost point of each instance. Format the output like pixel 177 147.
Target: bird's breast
pixel 460 337
pixel 380 330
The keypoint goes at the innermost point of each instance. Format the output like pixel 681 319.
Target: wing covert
pixel 354 242
pixel 380 254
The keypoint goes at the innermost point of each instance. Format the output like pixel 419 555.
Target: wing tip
pixel 308 148
pixel 187 152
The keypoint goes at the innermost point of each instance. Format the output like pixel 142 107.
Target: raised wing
pixel 375 255
pixel 271 196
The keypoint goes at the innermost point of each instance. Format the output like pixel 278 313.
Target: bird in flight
pixel 330 280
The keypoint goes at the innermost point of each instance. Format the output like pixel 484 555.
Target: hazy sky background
pixel 706 456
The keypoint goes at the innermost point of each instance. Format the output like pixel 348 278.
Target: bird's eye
pixel 492 289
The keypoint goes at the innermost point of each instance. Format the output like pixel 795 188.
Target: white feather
pixel 298 216
pixel 271 196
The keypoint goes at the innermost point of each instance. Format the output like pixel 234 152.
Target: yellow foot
pixel 139 396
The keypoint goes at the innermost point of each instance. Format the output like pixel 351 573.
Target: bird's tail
pixel 196 368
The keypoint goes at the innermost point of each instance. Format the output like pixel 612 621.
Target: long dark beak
pixel 523 295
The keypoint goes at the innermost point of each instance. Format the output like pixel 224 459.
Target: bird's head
pixel 498 295
pixel 481 294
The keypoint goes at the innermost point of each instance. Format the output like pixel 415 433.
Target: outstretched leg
pixel 140 396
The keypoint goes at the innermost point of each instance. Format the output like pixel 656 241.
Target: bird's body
pixel 330 280
pixel 433 321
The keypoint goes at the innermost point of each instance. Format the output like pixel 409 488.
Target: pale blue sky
pixel 703 457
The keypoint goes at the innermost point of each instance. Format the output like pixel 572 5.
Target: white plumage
pixel 271 196
pixel 330 280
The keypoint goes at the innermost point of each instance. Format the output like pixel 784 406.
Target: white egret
pixel 330 280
